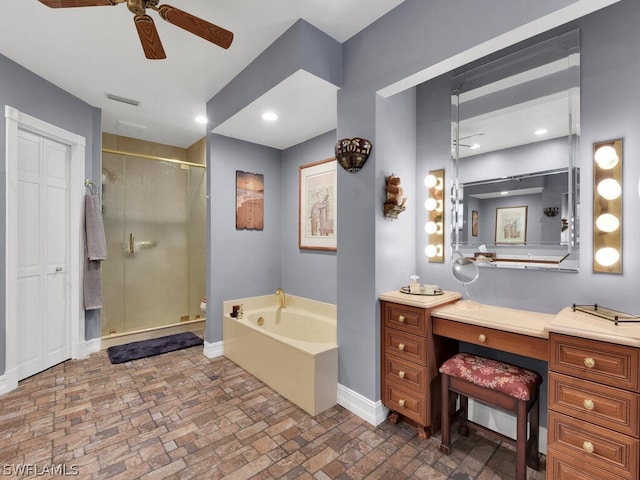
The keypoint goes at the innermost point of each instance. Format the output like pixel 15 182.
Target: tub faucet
pixel 281 297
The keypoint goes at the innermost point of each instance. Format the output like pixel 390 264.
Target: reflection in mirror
pixel 515 128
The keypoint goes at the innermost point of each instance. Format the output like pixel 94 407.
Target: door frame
pixel 15 120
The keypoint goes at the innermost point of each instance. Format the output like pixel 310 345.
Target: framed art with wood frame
pixel 317 208
pixel 511 225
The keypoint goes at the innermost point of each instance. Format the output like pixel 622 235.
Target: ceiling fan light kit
pixel 147 32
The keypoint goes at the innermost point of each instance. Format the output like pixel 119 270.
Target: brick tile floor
pixel 183 416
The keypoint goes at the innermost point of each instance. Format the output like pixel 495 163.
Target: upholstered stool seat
pixel 496 383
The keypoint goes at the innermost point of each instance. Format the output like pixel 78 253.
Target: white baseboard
pixel 213 350
pixel 92 345
pixel 372 412
pixel 502 422
pixel 8 381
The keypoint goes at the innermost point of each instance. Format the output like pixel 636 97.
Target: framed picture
pixel 511 225
pixel 474 223
pixel 317 220
pixel 249 201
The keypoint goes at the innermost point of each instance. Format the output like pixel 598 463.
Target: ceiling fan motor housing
pixel 136 7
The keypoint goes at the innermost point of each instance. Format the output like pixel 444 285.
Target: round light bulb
pixel 430 228
pixel 609 189
pixel 430 204
pixel 607 223
pixel 606 157
pixel 430 251
pixel 430 181
pixel 607 256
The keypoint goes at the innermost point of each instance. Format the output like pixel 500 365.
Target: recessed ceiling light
pixel 504 193
pixel 541 131
pixel 201 119
pixel 270 116
pixel 475 146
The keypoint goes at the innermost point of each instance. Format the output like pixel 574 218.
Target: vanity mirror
pixel 515 130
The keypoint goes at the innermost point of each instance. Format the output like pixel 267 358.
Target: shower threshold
pixel 197 325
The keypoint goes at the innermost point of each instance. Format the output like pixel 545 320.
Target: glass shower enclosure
pixel 154 218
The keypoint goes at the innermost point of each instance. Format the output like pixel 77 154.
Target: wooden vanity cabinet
pixel 410 382
pixel 594 407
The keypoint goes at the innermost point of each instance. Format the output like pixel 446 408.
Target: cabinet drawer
pixel 611 364
pixel 406 318
pixel 405 346
pixel 491 338
pixel 594 445
pixel 405 402
pixel 405 374
pixel 564 467
pixel 595 403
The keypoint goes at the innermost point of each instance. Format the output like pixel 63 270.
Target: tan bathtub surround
pixel 294 350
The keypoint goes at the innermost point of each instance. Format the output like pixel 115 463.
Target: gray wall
pixel 306 273
pixel 35 96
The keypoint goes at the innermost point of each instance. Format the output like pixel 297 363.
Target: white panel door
pixel 43 306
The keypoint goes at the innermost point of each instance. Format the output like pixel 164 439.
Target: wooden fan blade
pixel 196 25
pixel 149 38
pixel 77 3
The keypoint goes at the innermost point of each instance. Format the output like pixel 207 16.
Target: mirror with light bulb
pixel 515 131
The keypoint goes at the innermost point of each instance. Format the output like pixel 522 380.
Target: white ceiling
pixel 93 51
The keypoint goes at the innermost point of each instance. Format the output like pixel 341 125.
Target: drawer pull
pixel 589 362
pixel 588 404
pixel 401 346
pixel 401 318
pixel 588 447
pixel 401 373
pixel 401 402
pixel 482 338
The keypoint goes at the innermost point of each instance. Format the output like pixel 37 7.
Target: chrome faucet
pixel 281 297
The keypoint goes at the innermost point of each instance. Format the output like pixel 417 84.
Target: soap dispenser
pixel 414 286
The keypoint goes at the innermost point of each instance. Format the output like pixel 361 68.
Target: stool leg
pixel 463 426
pixel 521 440
pixel 445 445
pixel 533 460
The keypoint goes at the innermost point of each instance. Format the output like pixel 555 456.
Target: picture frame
pixel 249 201
pixel 511 225
pixel 317 207
pixel 474 223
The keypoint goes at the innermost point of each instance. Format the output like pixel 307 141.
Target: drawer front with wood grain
pixel 593 445
pixel 405 374
pixel 406 318
pixel 406 403
pixel 405 346
pixel 561 466
pixel 533 347
pixel 611 364
pixel 595 403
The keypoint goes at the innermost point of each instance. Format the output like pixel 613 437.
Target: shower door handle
pixel 132 244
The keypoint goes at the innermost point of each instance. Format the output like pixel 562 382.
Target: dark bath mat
pixel 155 346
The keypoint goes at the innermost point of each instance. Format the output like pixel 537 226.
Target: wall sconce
pixel 607 206
pixel 352 153
pixel 435 225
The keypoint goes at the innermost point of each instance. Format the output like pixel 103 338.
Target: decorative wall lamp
pixel 352 153
pixel 435 208
pixel 607 206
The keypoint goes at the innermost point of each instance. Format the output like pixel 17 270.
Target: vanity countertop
pixel 584 325
pixel 421 301
pixel 524 322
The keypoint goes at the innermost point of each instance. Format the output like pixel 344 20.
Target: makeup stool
pixel 498 384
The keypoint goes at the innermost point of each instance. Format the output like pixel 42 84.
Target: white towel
pixel 95 249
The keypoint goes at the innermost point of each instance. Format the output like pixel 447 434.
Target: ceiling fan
pixel 147 31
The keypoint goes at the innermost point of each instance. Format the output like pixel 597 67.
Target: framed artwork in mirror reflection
pixel 317 207
pixel 511 225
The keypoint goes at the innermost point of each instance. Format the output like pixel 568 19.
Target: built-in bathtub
pixel 293 349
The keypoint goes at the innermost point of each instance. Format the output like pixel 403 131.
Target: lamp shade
pixel 352 153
